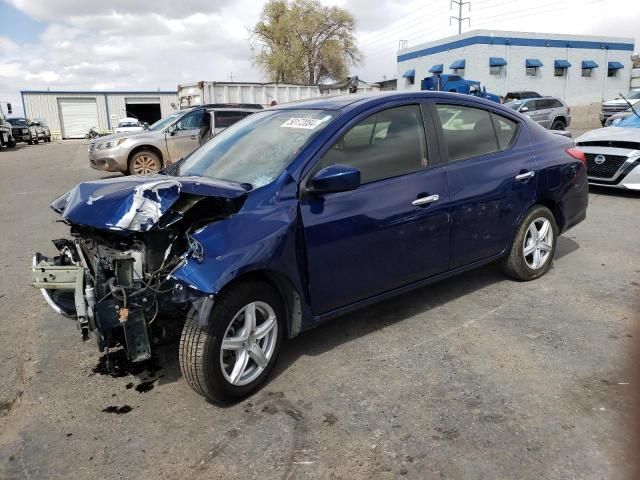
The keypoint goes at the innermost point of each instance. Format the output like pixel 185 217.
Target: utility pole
pixel 460 18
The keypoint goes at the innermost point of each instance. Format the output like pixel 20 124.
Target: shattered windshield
pixel 257 149
pixel 632 121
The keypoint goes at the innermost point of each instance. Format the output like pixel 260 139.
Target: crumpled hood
pixel 611 133
pixel 135 203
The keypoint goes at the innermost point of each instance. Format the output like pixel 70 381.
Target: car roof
pixel 339 102
pixel 234 109
pixel 128 119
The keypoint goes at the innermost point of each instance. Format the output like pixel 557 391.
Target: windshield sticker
pixel 305 123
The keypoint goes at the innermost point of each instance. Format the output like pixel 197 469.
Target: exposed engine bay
pixel 116 280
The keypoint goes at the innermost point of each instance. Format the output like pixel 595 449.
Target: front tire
pixel 558 125
pixel 144 162
pixel 233 354
pixel 532 250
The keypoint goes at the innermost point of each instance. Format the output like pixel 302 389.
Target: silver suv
pixel 550 112
pixel 166 141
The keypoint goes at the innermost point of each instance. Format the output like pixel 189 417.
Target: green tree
pixel 301 41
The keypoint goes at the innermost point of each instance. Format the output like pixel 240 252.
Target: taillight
pixel 577 154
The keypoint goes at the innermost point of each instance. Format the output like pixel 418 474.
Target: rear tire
pixel 145 162
pixel 226 375
pixel 558 125
pixel 531 253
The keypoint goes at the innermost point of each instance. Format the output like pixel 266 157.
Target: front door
pixel 183 137
pixel 491 173
pixel 391 231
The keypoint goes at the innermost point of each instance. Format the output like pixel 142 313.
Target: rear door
pixel 544 112
pixel 391 231
pixel 491 174
pixel 183 137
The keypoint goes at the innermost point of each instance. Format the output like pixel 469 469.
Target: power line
pixel 395 31
pixel 460 18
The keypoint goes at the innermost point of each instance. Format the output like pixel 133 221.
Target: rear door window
pixel 384 145
pixel 226 119
pixel 468 132
pixel 505 130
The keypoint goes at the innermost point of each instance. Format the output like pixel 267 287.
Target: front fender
pixel 254 239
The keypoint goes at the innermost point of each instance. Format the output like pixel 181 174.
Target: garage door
pixel 78 116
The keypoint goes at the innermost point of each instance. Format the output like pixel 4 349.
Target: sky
pixel 144 45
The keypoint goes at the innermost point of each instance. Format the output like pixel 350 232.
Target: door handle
pixel 425 200
pixel 525 176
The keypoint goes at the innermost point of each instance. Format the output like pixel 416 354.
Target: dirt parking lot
pixel 477 377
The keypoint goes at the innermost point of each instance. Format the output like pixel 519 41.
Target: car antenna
pixel 630 105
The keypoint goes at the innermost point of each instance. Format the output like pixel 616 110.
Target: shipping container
pixel 237 92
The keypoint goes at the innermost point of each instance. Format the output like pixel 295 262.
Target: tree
pixel 301 41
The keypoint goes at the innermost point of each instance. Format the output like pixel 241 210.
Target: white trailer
pixel 202 93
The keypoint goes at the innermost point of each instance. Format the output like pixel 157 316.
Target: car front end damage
pixel 127 236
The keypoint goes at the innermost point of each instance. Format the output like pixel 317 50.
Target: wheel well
pixel 145 147
pixel 555 209
pixel 288 294
pixel 564 120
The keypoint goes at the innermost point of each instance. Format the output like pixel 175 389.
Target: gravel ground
pixel 476 377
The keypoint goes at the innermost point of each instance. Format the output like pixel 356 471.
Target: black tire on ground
pixel 515 264
pixel 200 345
pixel 144 162
pixel 558 125
pixel 47 139
pixel 11 143
pixel 30 141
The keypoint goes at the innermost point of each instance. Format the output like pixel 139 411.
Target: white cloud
pixel 132 45
pixel 60 10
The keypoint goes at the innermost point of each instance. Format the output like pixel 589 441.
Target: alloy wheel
pixel 249 343
pixel 538 243
pixel 144 165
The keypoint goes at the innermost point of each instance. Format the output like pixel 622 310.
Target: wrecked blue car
pixel 302 213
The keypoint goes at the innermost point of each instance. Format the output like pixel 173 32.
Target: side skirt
pixel 398 291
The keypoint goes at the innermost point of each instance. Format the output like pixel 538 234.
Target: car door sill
pixel 406 288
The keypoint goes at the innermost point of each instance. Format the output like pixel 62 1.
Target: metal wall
pixel 111 106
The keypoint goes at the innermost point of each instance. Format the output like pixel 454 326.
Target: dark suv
pixel 23 130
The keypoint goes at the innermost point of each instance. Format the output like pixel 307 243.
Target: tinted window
pixel 226 119
pixel 191 121
pixel 386 144
pixel 505 130
pixel 468 132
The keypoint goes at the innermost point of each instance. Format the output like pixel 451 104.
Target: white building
pixel 70 114
pixel 578 69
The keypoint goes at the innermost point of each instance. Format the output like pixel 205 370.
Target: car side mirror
pixel 335 178
pixel 524 109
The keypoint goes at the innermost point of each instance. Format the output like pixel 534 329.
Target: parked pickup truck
pixel 166 141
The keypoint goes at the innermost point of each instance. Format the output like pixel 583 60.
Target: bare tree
pixel 304 42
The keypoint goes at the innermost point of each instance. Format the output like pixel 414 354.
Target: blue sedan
pixel 305 212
